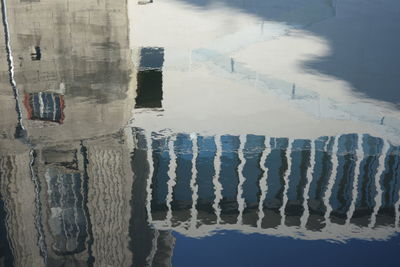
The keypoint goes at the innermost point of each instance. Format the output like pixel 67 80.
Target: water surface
pixel 199 133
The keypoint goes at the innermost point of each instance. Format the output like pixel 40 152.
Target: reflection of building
pixel 19 218
pixel 110 188
pixel 338 186
pixel 331 188
pixel 69 204
pixel 150 247
pixel 61 177
pixel 67 194
pixel 73 64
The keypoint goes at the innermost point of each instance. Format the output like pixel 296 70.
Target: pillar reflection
pixel 314 189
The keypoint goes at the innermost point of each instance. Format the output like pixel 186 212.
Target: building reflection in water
pixel 66 185
pixel 80 189
pixel 334 188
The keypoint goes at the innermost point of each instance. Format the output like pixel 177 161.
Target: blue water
pixel 231 248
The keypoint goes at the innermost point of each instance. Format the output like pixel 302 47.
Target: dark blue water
pixel 235 249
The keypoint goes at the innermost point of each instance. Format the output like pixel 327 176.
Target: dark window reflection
pixel 36 53
pixel 149 78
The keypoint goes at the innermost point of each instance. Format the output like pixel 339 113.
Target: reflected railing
pixel 333 187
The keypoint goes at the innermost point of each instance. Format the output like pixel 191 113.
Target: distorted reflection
pixel 332 187
pixel 149 78
pixel 44 106
pixel 127 125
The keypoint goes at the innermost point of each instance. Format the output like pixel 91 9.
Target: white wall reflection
pixel 220 71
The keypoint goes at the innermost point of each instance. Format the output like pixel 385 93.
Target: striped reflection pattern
pixel 333 187
pixel 45 106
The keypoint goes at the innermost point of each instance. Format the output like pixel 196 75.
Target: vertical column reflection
pixel 359 158
pixel 310 172
pixel 240 199
pixel 193 184
pixel 154 246
pixel 150 177
pixel 172 178
pixel 379 193
pixel 286 181
pixel 263 181
pixel 216 182
pixel 331 182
